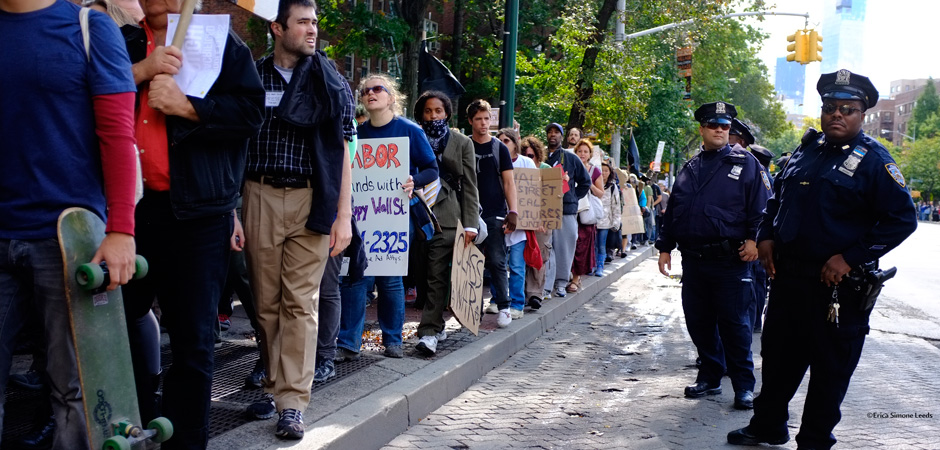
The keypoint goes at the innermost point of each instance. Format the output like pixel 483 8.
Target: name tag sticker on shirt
pixel 736 172
pixel 895 173
pixel 272 99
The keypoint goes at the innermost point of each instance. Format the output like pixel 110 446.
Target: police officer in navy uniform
pixel 740 134
pixel 713 215
pixel 764 156
pixel 838 205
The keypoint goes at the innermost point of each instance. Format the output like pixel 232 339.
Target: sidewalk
pixel 380 398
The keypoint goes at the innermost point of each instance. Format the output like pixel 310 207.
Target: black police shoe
pixel 701 389
pixel 744 400
pixel 744 436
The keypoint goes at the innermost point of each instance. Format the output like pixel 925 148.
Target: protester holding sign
pixel 516 241
pixel 537 288
pixel 382 99
pixel 457 201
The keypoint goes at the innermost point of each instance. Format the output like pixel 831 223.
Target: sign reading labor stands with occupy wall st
pixel 538 198
pixel 466 282
pixel 380 205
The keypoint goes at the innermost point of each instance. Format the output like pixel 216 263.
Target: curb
pixel 377 418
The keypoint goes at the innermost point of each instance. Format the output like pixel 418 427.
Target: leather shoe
pixel 701 389
pixel 41 436
pixel 744 436
pixel 744 400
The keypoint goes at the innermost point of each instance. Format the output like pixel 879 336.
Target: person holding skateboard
pixel 66 133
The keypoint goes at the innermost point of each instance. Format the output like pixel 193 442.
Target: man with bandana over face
pixel 454 197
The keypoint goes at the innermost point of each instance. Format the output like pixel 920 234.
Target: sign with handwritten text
pixel 538 198
pixel 466 282
pixel 380 206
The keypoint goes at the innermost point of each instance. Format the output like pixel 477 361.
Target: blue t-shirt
pixel 51 159
pixel 423 163
pixel 489 178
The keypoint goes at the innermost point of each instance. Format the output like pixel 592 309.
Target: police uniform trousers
pixel 718 301
pixel 797 336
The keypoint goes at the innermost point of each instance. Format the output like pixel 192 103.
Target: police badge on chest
pixel 736 172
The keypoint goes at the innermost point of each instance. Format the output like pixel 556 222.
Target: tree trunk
pixel 413 12
pixel 584 86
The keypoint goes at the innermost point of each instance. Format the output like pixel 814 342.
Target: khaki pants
pixel 285 262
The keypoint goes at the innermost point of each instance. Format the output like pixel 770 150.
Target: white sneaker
pixel 492 309
pixel 516 314
pixel 504 318
pixel 427 345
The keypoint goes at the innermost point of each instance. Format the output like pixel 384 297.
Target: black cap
pixel 716 112
pixel 555 125
pixel 762 154
pixel 846 85
pixel 741 129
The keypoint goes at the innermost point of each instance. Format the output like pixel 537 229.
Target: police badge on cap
pixel 715 112
pixel 846 85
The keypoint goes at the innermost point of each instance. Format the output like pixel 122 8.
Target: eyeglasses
pixel 530 155
pixel 375 89
pixel 845 110
pixel 715 126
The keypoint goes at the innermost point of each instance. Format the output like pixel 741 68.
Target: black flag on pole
pixel 434 75
pixel 634 155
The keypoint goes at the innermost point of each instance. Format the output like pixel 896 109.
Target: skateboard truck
pixel 127 435
pixel 97 277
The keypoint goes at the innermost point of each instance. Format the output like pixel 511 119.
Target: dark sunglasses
pixel 505 140
pixel 375 89
pixel 846 110
pixel 530 155
pixel 715 126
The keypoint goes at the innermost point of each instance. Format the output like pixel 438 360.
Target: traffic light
pixel 813 47
pixel 798 47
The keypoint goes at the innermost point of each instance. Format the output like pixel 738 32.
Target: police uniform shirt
pixel 717 195
pixel 831 199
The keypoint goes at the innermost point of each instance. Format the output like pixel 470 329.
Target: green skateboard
pixel 100 334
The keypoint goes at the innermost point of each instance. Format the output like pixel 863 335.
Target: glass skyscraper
pixel 843 29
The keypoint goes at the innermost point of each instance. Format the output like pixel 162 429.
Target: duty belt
pixel 280 181
pixel 718 250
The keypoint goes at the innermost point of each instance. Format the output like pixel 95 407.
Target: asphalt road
pixel 910 303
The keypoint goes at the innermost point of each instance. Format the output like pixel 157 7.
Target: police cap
pixel 715 112
pixel 741 129
pixel 845 85
pixel 762 154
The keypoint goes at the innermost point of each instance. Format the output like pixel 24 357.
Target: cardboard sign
pixel 380 206
pixel 466 282
pixel 538 198
pixel 632 218
pixel 552 194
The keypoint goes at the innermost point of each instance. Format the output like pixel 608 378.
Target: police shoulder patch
pixel 763 176
pixel 895 173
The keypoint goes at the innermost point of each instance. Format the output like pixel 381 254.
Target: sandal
pixel 573 287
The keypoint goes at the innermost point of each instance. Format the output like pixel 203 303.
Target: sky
pixel 900 39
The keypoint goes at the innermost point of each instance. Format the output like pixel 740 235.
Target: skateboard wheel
pixel 89 276
pixel 163 427
pixel 116 443
pixel 140 267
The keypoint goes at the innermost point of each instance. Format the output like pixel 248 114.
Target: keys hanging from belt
pixel 834 307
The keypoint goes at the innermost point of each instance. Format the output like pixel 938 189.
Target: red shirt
pixel 150 129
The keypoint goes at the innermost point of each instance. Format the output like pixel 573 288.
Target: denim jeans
pixel 601 246
pixel 188 262
pixel 31 272
pixel 391 311
pixel 517 275
pixel 329 312
pixel 495 252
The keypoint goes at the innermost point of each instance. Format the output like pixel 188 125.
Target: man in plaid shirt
pixel 297 199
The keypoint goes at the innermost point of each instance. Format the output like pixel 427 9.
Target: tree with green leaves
pixel 928 105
